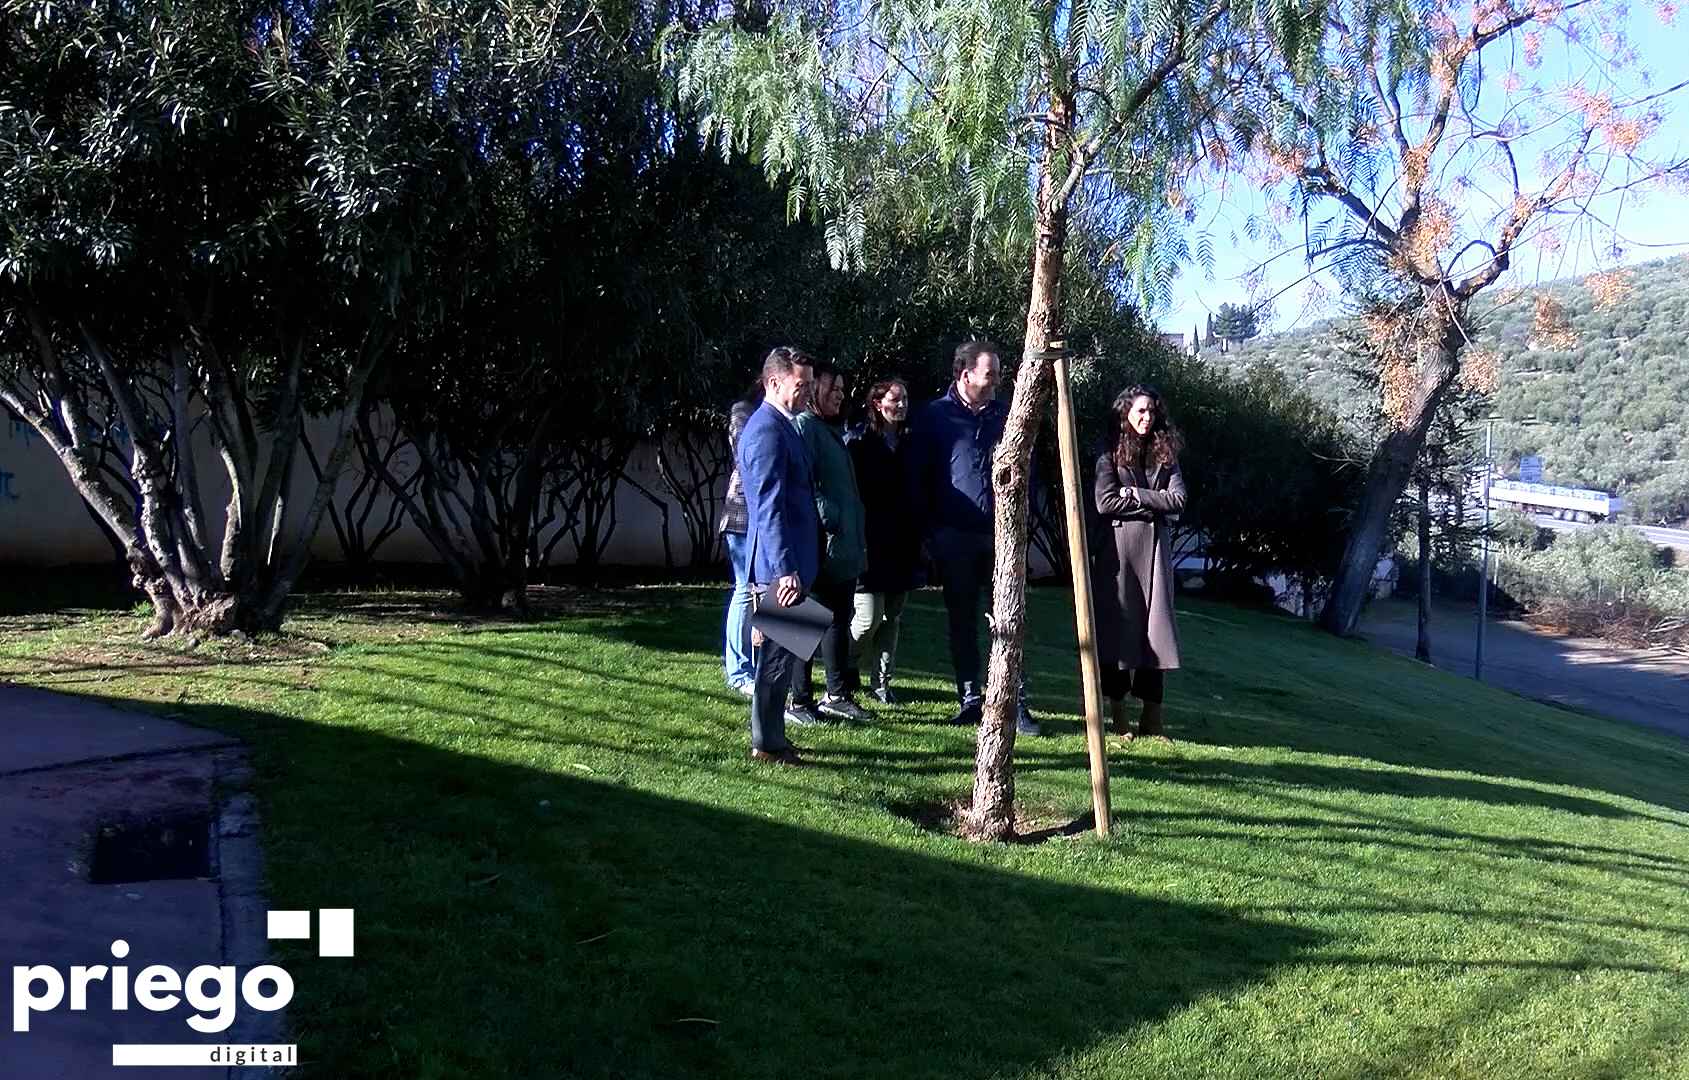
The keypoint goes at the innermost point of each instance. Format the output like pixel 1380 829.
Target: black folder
pixel 797 628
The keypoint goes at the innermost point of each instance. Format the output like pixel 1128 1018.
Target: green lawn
pixel 563 865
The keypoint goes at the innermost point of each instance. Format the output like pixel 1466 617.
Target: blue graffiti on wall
pixel 16 429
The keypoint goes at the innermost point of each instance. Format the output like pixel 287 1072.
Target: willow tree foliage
pixel 1428 149
pixel 1016 121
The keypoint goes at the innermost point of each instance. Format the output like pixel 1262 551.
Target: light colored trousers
pixel 873 635
pixel 738 661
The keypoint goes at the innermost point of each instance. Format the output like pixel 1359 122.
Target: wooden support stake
pixel 1084 611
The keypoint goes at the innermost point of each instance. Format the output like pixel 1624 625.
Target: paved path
pixel 40 729
pixel 68 768
pixel 1648 687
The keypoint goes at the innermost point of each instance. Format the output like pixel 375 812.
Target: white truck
pixel 1564 503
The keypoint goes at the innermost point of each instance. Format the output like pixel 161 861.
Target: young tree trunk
pixel 992 814
pixel 1392 465
pixel 1422 647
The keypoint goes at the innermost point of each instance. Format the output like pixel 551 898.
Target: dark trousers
pixel 966 564
pixel 775 665
pixel 840 599
pixel 1145 684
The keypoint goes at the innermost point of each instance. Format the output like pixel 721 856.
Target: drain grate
pixel 160 849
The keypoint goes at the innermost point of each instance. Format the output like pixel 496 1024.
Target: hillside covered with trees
pixel 1601 362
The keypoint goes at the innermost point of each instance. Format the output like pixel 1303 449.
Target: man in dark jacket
pixel 785 533
pixel 953 440
pixel 838 503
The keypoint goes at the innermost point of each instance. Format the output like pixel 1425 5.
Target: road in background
pixel 1648 687
pixel 1674 538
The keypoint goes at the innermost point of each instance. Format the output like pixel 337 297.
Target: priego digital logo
pixel 212 994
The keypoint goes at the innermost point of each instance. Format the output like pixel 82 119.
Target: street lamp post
pixel 1484 569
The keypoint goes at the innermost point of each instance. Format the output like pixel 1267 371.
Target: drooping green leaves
pixel 937 110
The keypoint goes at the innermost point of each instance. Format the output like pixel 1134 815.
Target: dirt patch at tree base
pixel 1033 825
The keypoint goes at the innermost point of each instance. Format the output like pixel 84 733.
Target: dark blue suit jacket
pixel 952 446
pixel 775 471
pixel 950 452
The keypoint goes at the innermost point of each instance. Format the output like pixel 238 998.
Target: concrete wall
pixel 44 522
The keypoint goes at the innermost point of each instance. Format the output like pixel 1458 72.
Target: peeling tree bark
pixel 992 813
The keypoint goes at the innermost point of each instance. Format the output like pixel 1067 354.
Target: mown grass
pixel 1347 865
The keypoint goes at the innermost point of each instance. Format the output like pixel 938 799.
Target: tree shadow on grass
pixel 710 741
pixel 687 616
pixel 1394 782
pixel 1256 681
pixel 42 590
pixel 1298 689
pixel 519 922
pixel 1388 831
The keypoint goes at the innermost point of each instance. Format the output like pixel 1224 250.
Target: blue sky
pixel 1650 228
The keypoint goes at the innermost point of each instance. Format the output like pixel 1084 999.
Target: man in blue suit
pixel 784 531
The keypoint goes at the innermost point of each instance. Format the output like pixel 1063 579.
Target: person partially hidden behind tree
pixel 1139 490
pixel 838 503
pixel 951 445
pixel 738 657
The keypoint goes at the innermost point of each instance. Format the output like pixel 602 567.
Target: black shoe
pixel 802 716
pixel 842 708
pixel 970 714
pixel 1026 725
pixel 884 696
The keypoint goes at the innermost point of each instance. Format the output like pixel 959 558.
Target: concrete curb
pixel 239 868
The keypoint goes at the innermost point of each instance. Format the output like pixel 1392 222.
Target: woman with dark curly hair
pixel 879 448
pixel 1139 490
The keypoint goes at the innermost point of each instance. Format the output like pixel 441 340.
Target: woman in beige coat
pixel 1139 490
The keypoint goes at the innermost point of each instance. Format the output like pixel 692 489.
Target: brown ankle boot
pixel 1149 724
pixel 1119 724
